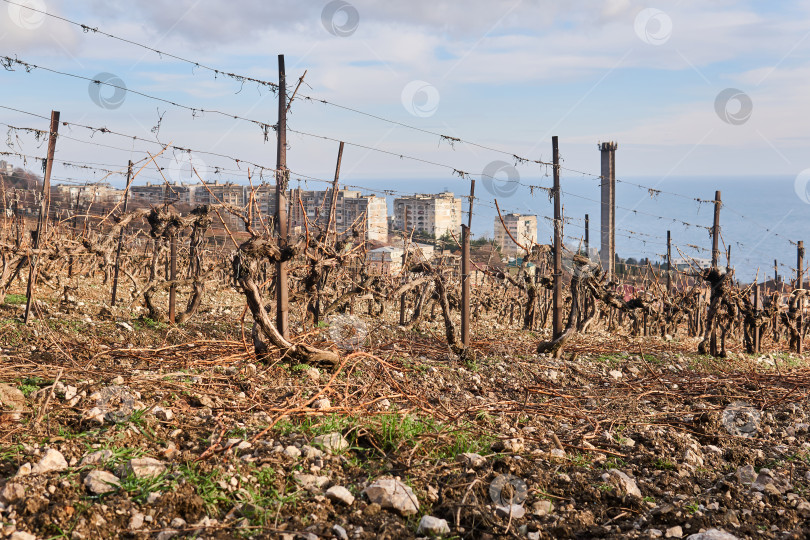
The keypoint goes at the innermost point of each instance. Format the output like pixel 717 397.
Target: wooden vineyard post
pixel 557 300
pixel 44 208
pixel 757 309
pixel 669 263
pixel 465 272
pixel 282 178
pixel 715 259
pixel 800 285
pixel 120 238
pixel 173 276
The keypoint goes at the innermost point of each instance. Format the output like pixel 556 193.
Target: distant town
pixel 430 222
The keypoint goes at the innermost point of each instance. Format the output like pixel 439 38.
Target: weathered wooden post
pixel 557 302
pixel 120 238
pixel 465 272
pixel 282 178
pixel 44 208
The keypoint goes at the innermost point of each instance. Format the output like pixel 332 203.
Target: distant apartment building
pixel 352 209
pixel 522 228
pixel 157 194
pixel 220 193
pixel 388 259
pixel 69 195
pixel 5 167
pixel 432 214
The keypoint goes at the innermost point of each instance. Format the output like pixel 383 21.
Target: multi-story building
pixel 431 214
pixel 157 194
pixel 219 193
pixel 522 228
pixel 5 167
pixel 352 209
pixel 388 259
pixel 72 194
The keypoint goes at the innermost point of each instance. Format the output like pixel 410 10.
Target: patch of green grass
pixel 29 385
pixel 205 484
pixel 9 453
pixel 664 464
pixel 614 463
pixel 692 508
pixel 139 489
pixel 581 460
pixel 16 299
pixel 649 499
pixel 603 487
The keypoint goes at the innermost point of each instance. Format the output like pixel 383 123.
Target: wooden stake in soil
pixel 44 208
pixel 121 237
pixel 465 272
pixel 557 306
pixel 669 263
pixel 282 178
pixel 800 285
pixel 715 259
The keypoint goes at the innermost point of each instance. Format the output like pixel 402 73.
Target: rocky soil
pixel 114 426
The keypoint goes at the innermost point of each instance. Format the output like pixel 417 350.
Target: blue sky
pixel 507 74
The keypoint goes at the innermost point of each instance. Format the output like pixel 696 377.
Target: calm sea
pixel 759 218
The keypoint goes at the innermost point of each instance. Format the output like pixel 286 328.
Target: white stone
pixel 95 416
pixel 616 374
pixel 393 494
pixel 99 482
pixel 433 526
pixel 53 460
pixel 712 534
pixel 22 535
pixel 144 467
pixel 331 442
pixel 96 458
pixel 292 452
pixel 310 452
pixel 136 521
pixel 471 459
pixel 542 508
pixel 311 482
pixel 516 511
pixel 24 470
pixel 340 494
pixel 125 326
pixel 674 532
pixel 626 485
pixel 12 492
pixel 339 532
pixel 163 414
